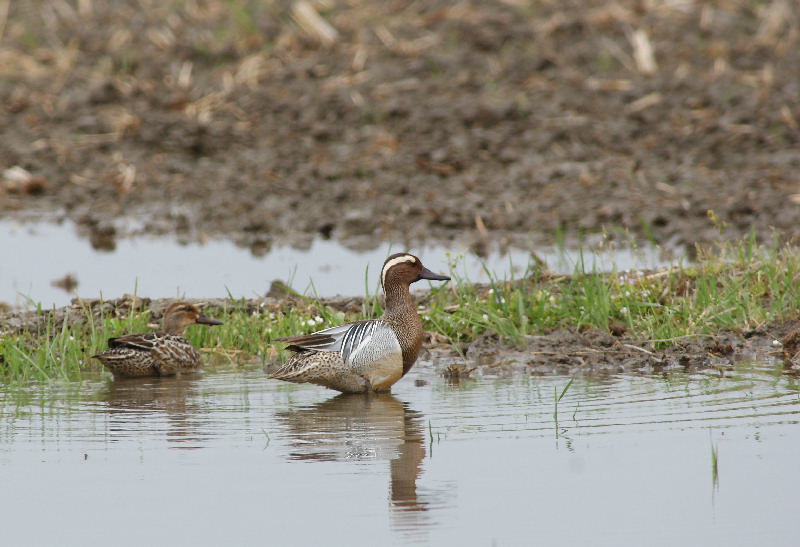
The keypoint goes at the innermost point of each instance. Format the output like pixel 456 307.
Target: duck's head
pixel 178 315
pixel 404 269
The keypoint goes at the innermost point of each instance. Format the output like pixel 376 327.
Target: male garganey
pixel 368 355
pixel 159 353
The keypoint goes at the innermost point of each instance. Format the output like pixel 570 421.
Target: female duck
pixel 368 355
pixel 160 353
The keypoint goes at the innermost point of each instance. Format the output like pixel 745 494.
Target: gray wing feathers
pixel 358 343
pixel 329 339
pixel 369 344
pixel 338 329
pixel 355 336
pixel 342 338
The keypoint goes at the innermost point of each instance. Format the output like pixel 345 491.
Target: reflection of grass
pixel 739 286
pixel 556 398
pixel 714 467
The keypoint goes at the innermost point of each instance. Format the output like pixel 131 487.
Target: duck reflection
pixel 136 407
pixel 361 427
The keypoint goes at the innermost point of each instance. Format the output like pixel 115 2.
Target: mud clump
pixel 790 348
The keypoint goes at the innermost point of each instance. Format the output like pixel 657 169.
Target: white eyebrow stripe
pixel 394 262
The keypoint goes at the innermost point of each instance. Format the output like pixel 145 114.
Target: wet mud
pixel 569 351
pixel 480 121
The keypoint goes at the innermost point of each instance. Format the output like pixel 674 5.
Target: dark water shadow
pixel 374 427
pixel 136 405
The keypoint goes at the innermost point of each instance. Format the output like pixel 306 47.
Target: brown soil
pixel 479 120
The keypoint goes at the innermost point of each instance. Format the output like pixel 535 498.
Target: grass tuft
pixel 732 286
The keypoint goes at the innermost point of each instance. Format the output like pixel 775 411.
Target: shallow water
pixel 160 267
pixel 229 457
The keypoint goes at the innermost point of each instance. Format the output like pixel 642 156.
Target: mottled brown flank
pixel 163 353
pixel 155 354
pixel 323 368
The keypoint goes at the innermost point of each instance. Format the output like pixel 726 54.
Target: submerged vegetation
pixel 733 286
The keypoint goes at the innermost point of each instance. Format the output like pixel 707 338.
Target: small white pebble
pixel 776 343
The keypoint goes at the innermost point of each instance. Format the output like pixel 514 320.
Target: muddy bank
pixel 570 351
pixel 481 121
pixel 563 351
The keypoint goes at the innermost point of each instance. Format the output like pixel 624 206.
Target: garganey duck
pixel 368 355
pixel 159 353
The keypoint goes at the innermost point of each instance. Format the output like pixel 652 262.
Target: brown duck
pixel 159 353
pixel 368 355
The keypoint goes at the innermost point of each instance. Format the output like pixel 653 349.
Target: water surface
pixel 229 457
pixel 162 267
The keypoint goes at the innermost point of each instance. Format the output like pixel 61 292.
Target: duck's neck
pixel 401 315
pixel 172 327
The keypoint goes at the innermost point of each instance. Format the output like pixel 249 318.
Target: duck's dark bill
pixel 202 319
pixel 427 274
